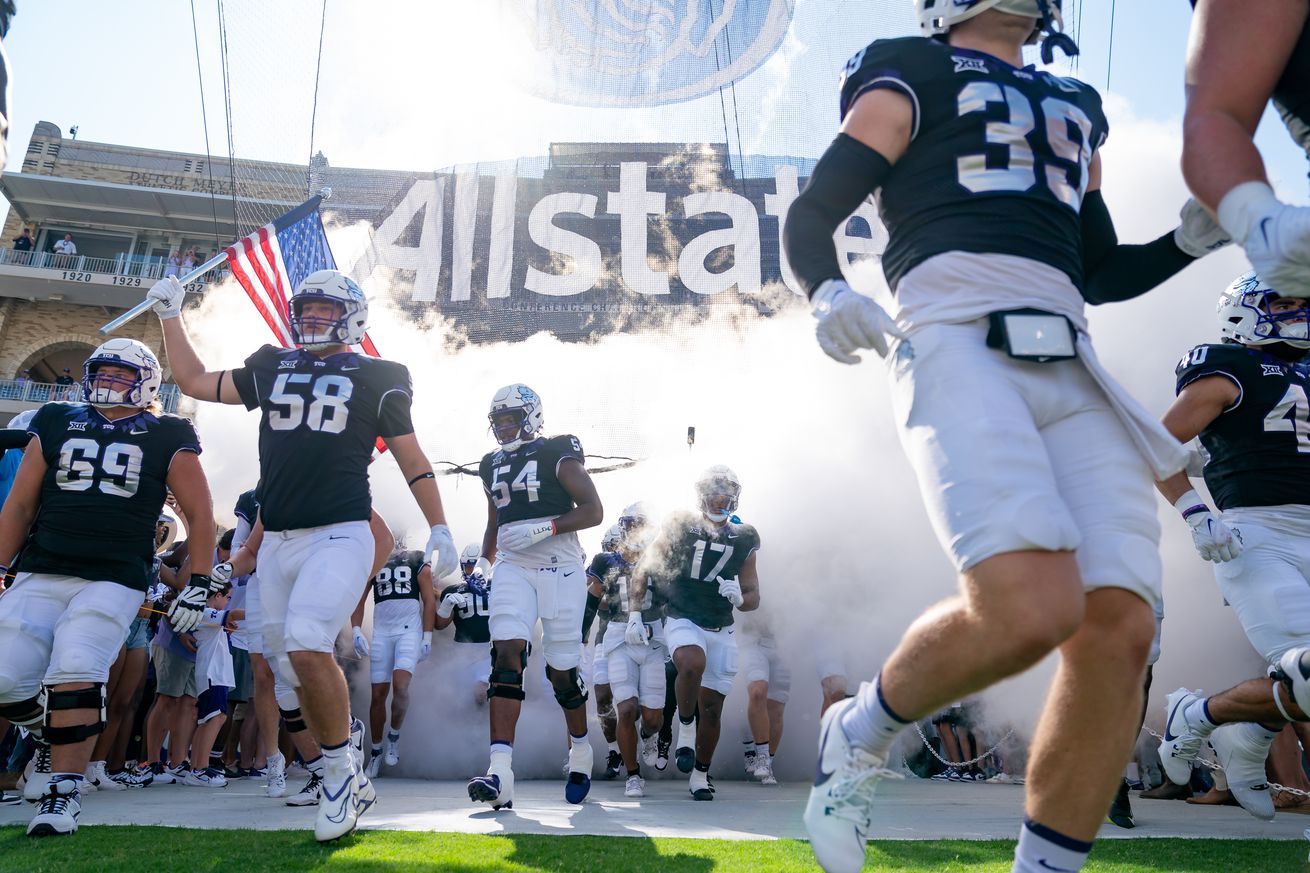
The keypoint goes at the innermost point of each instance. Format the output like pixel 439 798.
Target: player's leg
pixel 399 707
pixel 755 669
pixel 778 695
pixel 96 778
pixel 651 685
pixel 561 644
pixel 716 681
pixel 381 666
pixel 623 676
pixel 687 642
pixel 29 610
pixel 665 742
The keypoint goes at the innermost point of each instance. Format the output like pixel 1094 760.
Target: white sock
pixel 502 756
pixel 1197 716
pixel 336 761
pixel 1042 850
pixel 762 750
pixel 870 723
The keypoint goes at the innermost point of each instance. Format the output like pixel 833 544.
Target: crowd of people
pixel 1037 469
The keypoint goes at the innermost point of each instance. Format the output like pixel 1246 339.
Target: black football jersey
pixel 320 421
pixel 247 508
pixel 614 574
pixel 686 562
pixel 471 622
pixel 102 492
pixel 998 156
pixel 1259 449
pixel 398 579
pixel 524 484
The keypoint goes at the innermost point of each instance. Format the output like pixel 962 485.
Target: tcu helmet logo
pixel 650 52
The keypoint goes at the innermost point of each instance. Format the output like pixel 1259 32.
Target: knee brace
pixel 506 683
pixel 85 698
pixel 29 713
pixel 574 693
pixel 295 722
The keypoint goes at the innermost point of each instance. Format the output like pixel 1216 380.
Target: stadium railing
pixel 26 391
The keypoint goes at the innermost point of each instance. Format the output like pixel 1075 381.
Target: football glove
pixel 1197 234
pixel 451 602
pixel 730 590
pixel 1276 236
pixel 517 537
pixel 849 321
pixel 222 573
pixel 361 642
pixel 167 295
pixel 185 613
pixel 635 634
pixel 442 546
pixel 426 648
pixel 1214 540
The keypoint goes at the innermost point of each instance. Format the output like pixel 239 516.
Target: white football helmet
pixel 471 555
pixel 119 391
pixel 166 529
pixel 718 481
pixel 1244 316
pixel 347 328
pixel 634 524
pixel 936 17
pixel 612 538
pixel 529 421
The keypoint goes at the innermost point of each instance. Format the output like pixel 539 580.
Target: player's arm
pixel 874 135
pixel 428 595
pixel 444 621
pixel 1236 53
pixel 383 543
pixel 186 479
pixel 1114 271
pixel 245 559
pixel 417 470
pixel 357 616
pixel 1192 411
pixel 588 511
pixel 189 372
pixel 749 578
pixel 594 589
pixel 22 503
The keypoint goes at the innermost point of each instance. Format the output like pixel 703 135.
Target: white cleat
pixel 59 809
pixel 96 776
pixel 374 764
pixel 393 752
pixel 310 794
pixel 839 810
pixel 1242 750
pixel 1294 669
pixel 496 788
pixel 357 742
pixel 277 776
pixel 38 775
pixel 340 806
pixel 763 771
pixel 650 750
pixel 699 785
pixel 636 787
pixel 1180 745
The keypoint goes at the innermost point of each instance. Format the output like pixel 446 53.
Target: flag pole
pixel 146 304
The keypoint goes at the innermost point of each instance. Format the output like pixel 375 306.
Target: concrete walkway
pixel 909 810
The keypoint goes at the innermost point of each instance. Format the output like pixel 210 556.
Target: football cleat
pixel 38 775
pixel 210 777
pixel 96 775
pixel 357 742
pixel 581 760
pixel 1242 750
pixel 635 787
pixel 161 774
pixel 1180 745
pixel 276 768
pixel 1121 810
pixel 307 796
pixel 613 764
pixel 837 815
pixel 340 806
pixel 393 751
pixel 699 785
pixel 662 754
pixel 494 788
pixel 374 764
pixel 764 771
pixel 59 809
pixel 649 751
pixel 1294 671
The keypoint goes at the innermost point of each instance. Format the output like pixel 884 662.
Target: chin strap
pixel 1054 38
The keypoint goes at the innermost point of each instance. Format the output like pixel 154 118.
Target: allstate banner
pixel 597 237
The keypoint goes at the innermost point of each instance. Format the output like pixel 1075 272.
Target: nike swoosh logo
pixel 1170 720
pixel 570 574
pixel 1045 865
pixel 1263 222
pixel 821 776
pixel 335 538
pixel 344 795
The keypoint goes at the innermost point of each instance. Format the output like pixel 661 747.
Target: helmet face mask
pixel 516 416
pixel 468 559
pixel 718 490
pixel 1247 315
pixel 635 528
pixel 113 388
pixel 317 331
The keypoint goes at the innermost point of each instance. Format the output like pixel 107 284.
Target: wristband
pixel 1190 504
pixel 421 476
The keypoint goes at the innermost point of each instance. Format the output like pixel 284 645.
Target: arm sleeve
pixel 246 378
pixel 589 615
pixel 1114 272
pixel 13 438
pixel 848 172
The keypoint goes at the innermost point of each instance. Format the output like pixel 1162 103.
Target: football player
pixel 1034 463
pixel 467 605
pixel 703 565
pixel 598 606
pixel 539 495
pixel 768 688
pixel 109 459
pixel 635 672
pixel 404 607
pixel 1246 400
pixel 1238 57
pixel 322 409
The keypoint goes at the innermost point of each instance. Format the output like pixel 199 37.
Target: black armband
pixel 428 475
pixel 13 438
pixel 848 172
pixel 1112 272
pixel 218 392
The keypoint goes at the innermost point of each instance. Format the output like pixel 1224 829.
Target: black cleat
pixel 613 764
pixel 1121 811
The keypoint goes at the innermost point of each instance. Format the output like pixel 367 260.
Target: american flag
pixel 273 260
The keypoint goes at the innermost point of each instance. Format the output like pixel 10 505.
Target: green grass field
pixel 133 849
